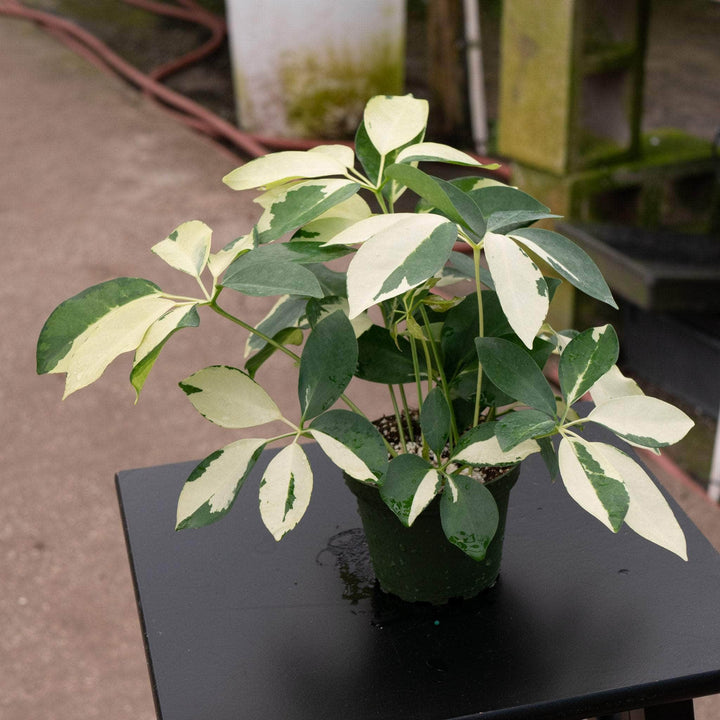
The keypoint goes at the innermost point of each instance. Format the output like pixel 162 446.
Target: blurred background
pixel 117 121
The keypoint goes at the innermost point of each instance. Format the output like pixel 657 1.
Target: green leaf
pixel 469 521
pixel 593 481
pixel 585 359
pixel 281 278
pixel 84 334
pixel 479 446
pixel 289 207
pixel 506 208
pixel 287 312
pixel 648 515
pixel 327 365
pixel 549 456
pixel 155 338
pixel 287 336
pixel 332 282
pixel 442 196
pixel 317 309
pixel 381 360
pixel 399 258
pixel 187 248
pixel 228 397
pixel 410 485
pixel 519 284
pixel 568 260
pixel 435 420
pixel 427 187
pixel 302 252
pixel 391 122
pixel 505 222
pixel 521 425
pixel 352 443
pixel 457 338
pixel 513 370
pixel 213 485
pixel 283 166
pixel 285 490
pixel 643 421
pixel 437 152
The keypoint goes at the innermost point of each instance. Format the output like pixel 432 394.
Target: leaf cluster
pixel 474 361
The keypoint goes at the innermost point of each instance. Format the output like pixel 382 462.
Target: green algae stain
pixel 326 91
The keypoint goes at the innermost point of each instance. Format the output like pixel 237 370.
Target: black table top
pixel 582 622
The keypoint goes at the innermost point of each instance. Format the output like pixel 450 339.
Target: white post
pixel 476 76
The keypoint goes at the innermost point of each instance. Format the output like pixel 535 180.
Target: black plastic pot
pixel 418 564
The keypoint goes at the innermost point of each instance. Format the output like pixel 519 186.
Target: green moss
pixel 326 91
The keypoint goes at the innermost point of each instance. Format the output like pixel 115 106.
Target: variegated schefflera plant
pixel 476 361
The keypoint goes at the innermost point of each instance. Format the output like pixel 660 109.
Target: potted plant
pixel 440 467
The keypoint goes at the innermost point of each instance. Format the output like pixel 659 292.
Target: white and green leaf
pixel 289 207
pixel 649 514
pixel 568 260
pixel 285 490
pixel 391 122
pixel 157 335
pixel 480 446
pixel 469 516
pixel 84 334
pixel 213 485
pixel 438 152
pixel 399 257
pixel 285 166
pixel 585 359
pixel 643 421
pixel 287 312
pixel 187 248
pixel 352 443
pixel 519 284
pixel 613 384
pixel 342 153
pixel 409 486
pixel 593 481
pixel 341 216
pixel 229 397
pixel 219 261
pixel 516 427
pixel 370 227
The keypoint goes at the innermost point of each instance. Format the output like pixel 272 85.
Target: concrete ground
pixel 92 175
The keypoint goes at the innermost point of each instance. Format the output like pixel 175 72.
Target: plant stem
pixel 406 410
pixel 441 373
pixel 278 346
pixel 481 328
pixel 416 369
pixel 398 420
pixel 271 341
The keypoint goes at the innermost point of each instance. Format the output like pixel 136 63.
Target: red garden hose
pixel 95 51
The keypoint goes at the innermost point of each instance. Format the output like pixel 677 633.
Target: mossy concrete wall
pixel 571 82
pixel 306 68
pixel 673 184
